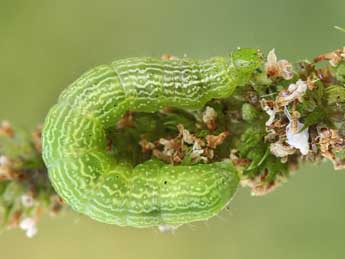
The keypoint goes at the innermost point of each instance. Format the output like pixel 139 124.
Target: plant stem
pixel 285 115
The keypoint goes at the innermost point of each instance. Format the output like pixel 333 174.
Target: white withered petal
pixel 295 137
pixel 295 92
pixel 270 111
pixel 29 225
pixel 298 139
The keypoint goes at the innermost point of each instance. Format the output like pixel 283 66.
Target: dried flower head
pixel 311 83
pixel 259 186
pixel 126 121
pixel 275 68
pixel 297 137
pixel 27 200
pixel 280 150
pixel 146 145
pixel 29 226
pixel 6 129
pixel 6 170
pixel 26 182
pixel 209 118
pixel 333 57
pixel 167 228
pixel 270 109
pixel 330 142
pixel 184 145
pixel 171 146
pixel 187 137
pixel 214 140
pixel 197 151
pixel 168 56
pixel 294 92
pixel 37 138
pixel 4 161
pixel 56 205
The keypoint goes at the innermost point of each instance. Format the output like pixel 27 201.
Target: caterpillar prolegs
pixel 152 193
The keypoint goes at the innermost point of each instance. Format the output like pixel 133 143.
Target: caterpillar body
pixel 152 193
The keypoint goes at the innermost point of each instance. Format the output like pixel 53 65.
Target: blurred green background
pixel 45 45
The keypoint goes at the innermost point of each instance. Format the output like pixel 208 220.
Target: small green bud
pixel 249 113
pixel 339 71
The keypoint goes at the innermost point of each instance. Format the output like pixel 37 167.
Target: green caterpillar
pixel 152 193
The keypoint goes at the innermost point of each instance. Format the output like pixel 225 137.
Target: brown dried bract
pixel 333 57
pixel 13 221
pixel 325 75
pixel 56 205
pixel 214 140
pixel 37 138
pixel 126 121
pixel 6 129
pixel 259 186
pixel 237 161
pixel 330 142
pixel 6 169
pixel 168 56
pixel 281 150
pixel 209 118
pixel 275 68
pixel 146 145
pixel 311 83
pixel 185 134
pixel 328 139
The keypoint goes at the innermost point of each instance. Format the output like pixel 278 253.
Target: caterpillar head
pixel 244 62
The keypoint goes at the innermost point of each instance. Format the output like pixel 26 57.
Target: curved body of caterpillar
pixel 152 193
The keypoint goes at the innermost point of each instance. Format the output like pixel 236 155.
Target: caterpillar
pixel 152 193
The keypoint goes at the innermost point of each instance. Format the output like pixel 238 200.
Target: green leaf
pixel 250 140
pixel 339 72
pixel 274 167
pixel 314 117
pixel 339 28
pixel 335 94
